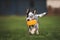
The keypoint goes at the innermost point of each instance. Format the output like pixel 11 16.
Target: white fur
pixel 33 30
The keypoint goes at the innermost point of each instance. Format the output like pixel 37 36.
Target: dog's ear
pixel 27 11
pixel 35 11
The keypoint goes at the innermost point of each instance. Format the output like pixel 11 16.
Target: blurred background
pixel 18 7
pixel 53 7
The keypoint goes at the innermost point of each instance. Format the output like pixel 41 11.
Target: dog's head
pixel 29 12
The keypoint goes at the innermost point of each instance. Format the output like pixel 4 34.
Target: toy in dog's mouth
pixel 31 22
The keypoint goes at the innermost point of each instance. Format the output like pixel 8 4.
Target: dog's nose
pixel 28 20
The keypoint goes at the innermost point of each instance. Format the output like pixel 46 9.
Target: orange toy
pixel 31 22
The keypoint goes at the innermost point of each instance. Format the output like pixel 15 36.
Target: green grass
pixel 14 28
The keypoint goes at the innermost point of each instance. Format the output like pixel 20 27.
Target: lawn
pixel 15 28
